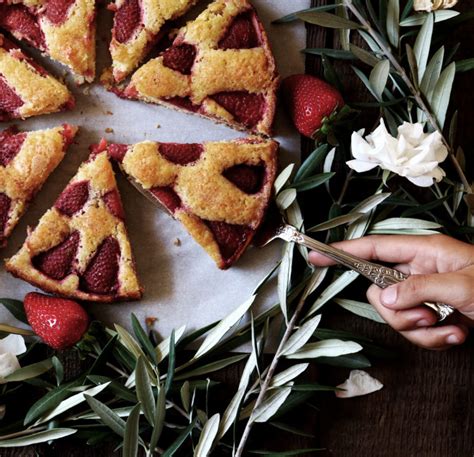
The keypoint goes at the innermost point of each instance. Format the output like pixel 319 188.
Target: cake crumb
pixel 110 113
pixel 177 242
pixel 158 126
pixel 150 321
pixel 109 130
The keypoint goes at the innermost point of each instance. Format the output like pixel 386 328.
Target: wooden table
pixel 426 408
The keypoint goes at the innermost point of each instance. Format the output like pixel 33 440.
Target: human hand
pixel 442 270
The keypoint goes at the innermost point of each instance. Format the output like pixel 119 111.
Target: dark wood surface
pixel 426 408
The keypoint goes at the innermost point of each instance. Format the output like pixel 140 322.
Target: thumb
pixel 455 289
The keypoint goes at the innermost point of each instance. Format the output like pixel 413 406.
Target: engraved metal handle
pixel 380 275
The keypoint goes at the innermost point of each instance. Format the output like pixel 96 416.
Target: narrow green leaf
pixel 463 65
pixel 327 20
pixel 59 369
pixel 160 413
pixel 312 182
pixel 218 332
pixel 314 387
pixel 171 362
pixel 284 277
pixel 364 56
pixel 270 405
pixel 431 76
pixel 288 375
pixel 420 18
pixel 15 330
pixel 407 9
pixel 326 348
pixel 310 165
pixel 379 76
pixel 283 178
pixel 104 355
pixel 336 222
pixel 360 309
pixel 144 391
pixel 393 18
pixel 290 429
pixel 330 74
pixel 207 437
pixel 108 417
pixel 142 337
pixel 114 387
pixel 365 80
pixel 285 198
pixel 129 342
pixel 347 361
pixel 442 93
pixel 292 17
pixel 163 348
pixel 334 53
pixel 211 367
pixel 36 438
pixel 185 394
pixel 413 64
pixel 71 402
pixel 131 438
pixel 422 45
pixel 423 209
pixel 301 336
pixel 404 223
pixel 16 308
pixel 180 440
pixel 30 371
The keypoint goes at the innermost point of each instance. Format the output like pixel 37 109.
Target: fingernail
pixel 389 296
pixel 453 339
pixel 422 323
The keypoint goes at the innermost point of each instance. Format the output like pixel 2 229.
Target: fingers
pixel 456 289
pixel 415 324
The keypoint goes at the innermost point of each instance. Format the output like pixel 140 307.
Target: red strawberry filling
pixel 184 103
pixel 248 178
pixel 73 198
pixel 10 145
pixel 180 58
pixel 101 275
pixel 9 100
pixel 18 20
pixel 5 203
pixel 247 109
pixel 57 263
pixel 181 154
pixel 242 33
pixel 114 204
pixel 167 197
pixel 68 134
pixel 117 151
pixel 230 238
pixel 126 20
pixel 57 10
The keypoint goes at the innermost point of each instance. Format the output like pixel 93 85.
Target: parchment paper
pixel 182 284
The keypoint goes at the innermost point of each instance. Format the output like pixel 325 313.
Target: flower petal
pixel 8 365
pixel 359 383
pixel 361 165
pixel 14 344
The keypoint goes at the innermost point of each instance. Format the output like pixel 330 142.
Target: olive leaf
pixel 311 164
pixel 393 18
pixel 15 330
pixel 162 350
pixel 379 76
pixel 288 375
pixel 336 222
pixel 334 53
pixel 284 277
pixel 270 404
pixel 360 309
pixel 159 418
pixel 432 72
pixel 293 16
pixel 442 93
pixel 283 178
pixel 327 20
pixel 211 367
pixel 144 391
pixel 326 348
pixel 36 438
pixel 301 336
pixel 422 45
pixel 405 223
pixel 30 371
pixel 108 417
pixel 285 198
pixel 419 19
pixel 363 55
pixel 462 65
pixel 15 307
pixel 131 437
pixel 207 436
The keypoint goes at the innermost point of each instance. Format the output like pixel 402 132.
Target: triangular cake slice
pixel 219 66
pixel 26 161
pixel 62 29
pixel 138 26
pixel 219 191
pixel 80 247
pixel 27 89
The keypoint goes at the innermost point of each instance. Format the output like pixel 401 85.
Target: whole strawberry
pixel 59 322
pixel 311 102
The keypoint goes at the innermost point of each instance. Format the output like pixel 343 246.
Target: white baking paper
pixel 182 284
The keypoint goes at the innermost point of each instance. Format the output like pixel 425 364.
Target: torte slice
pixel 27 89
pixel 138 26
pixel 219 66
pixel 219 191
pixel 26 161
pixel 62 29
pixel 80 247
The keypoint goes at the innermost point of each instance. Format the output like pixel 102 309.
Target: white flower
pixel 413 154
pixel 433 5
pixel 10 347
pixel 359 383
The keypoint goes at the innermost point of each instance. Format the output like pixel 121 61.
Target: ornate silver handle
pixel 378 274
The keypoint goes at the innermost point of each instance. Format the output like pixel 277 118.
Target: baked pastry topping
pixel 80 247
pixel 219 66
pixel 219 191
pixel 26 161
pixel 26 89
pixel 63 29
pixel 138 26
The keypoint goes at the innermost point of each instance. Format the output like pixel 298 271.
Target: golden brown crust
pixel 20 180
pixel 95 223
pixel 127 56
pixel 40 93
pixel 215 70
pixel 205 193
